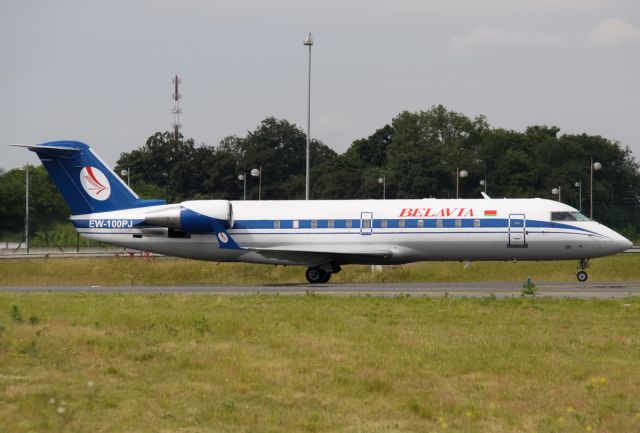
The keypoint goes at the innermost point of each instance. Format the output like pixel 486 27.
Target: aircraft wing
pixel 315 255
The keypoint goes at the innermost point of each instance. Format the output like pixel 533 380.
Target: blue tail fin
pixel 85 182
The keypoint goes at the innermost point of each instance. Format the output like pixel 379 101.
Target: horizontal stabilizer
pixel 36 147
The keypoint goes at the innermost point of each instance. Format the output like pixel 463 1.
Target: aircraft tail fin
pixel 84 180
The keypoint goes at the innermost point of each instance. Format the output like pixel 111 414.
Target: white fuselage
pixel 401 231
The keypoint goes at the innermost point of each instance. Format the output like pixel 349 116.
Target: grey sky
pixel 100 71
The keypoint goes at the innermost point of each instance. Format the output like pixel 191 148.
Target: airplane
pixel 321 235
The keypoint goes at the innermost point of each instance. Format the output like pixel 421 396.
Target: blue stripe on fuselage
pixel 416 223
pixel 342 224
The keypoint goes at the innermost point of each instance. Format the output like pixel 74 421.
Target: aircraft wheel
pixel 327 277
pixel 317 276
pixel 582 276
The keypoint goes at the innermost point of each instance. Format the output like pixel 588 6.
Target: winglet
pixel 484 194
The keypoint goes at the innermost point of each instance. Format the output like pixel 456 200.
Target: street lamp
pixel 257 172
pixel 578 184
pixel 483 182
pixel 459 174
pixel 243 178
pixel 125 172
pixel 593 166
pixel 26 205
pixel 383 180
pixel 557 191
pixel 308 41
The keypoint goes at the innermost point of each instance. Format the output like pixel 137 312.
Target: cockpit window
pixel 568 216
pixel 579 217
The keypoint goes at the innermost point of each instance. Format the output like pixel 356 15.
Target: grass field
pixel 168 271
pixel 116 362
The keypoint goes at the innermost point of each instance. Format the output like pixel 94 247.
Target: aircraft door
pixel 366 223
pixel 517 230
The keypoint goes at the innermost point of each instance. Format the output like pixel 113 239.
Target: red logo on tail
pixel 95 183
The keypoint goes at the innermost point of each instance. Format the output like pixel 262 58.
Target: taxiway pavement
pixel 596 290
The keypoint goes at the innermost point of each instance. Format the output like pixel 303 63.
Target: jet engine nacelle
pixel 198 216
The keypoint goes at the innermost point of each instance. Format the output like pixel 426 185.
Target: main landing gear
pixel 321 274
pixel 581 275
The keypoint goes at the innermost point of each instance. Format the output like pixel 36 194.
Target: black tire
pixel 327 277
pixel 582 276
pixel 316 276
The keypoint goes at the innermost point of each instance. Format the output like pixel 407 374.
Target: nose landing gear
pixel 581 275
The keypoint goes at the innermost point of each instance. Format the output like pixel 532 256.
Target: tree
pixel 46 207
pixel 426 149
pixel 372 151
pixel 164 162
pixel 279 147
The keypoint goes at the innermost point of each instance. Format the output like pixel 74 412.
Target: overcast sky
pixel 100 71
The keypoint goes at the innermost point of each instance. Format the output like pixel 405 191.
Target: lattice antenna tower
pixel 176 108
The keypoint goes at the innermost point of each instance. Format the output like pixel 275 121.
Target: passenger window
pixel 314 224
pixel 439 224
pixel 296 224
pixel 458 223
pixel 347 224
pixel 383 224
pixel 330 224
pixel 476 223
pixel 401 224
pixel 276 224
pixel 420 224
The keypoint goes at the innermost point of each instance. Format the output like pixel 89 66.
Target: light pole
pixel 483 182
pixel 257 172
pixel 593 166
pixel 243 178
pixel 459 174
pixel 26 206
pixel 578 185
pixel 125 172
pixel 557 191
pixel 308 41
pixel 383 180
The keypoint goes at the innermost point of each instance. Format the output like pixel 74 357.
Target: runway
pixel 594 290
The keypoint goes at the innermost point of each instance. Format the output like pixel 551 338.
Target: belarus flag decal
pixel 490 213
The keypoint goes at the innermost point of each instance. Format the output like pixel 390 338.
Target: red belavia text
pixel 428 212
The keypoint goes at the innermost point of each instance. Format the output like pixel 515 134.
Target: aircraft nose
pixel 622 244
pixel 613 241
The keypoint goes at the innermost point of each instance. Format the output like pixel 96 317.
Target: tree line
pixel 419 154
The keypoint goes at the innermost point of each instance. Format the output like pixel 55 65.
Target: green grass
pixel 168 271
pixel 205 363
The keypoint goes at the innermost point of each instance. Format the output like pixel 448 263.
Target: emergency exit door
pixel 517 231
pixel 366 223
